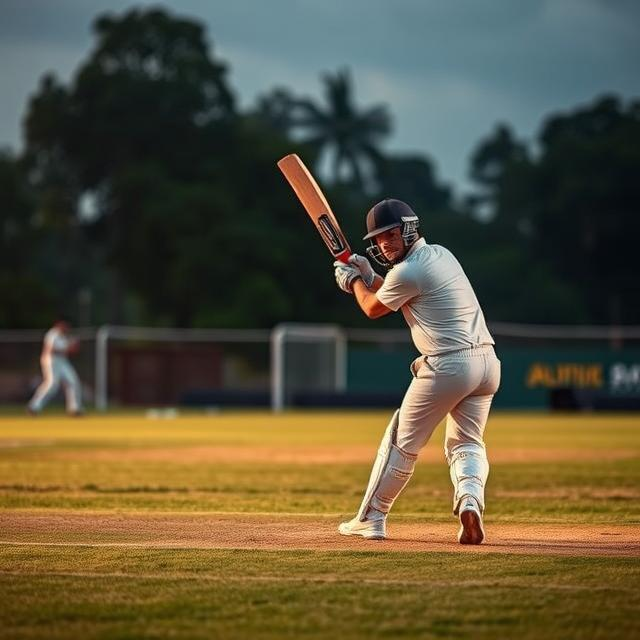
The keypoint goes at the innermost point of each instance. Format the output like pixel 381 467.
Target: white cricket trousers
pixel 459 385
pixel 56 371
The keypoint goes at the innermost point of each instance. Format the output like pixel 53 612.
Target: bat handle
pixel 344 256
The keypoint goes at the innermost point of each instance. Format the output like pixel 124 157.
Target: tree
pixel 27 300
pixel 276 110
pixel 570 212
pixel 150 99
pixel 151 90
pixel 495 165
pixel 587 219
pixel 193 222
pixel 349 137
pixel 412 178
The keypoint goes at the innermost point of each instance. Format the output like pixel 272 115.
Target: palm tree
pixel 348 136
pixel 276 110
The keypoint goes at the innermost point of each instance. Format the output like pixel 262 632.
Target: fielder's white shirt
pixel 53 339
pixel 437 300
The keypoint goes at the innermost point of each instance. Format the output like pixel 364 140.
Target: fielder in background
pixel 56 370
pixel 456 375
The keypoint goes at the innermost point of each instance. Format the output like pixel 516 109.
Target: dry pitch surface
pixel 314 532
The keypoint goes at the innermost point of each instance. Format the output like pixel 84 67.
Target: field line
pixel 493 583
pixel 151 513
pixel 443 516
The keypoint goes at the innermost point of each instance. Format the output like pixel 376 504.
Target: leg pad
pixel 469 470
pixel 391 471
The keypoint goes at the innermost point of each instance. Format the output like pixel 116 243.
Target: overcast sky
pixel 448 70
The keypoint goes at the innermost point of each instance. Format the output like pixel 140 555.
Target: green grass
pixel 239 594
pixel 55 463
pixel 587 471
pixel 516 492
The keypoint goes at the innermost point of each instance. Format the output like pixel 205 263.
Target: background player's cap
pixel 387 214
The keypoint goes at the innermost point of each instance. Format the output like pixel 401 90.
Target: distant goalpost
pixel 303 359
pixel 306 359
pixel 239 357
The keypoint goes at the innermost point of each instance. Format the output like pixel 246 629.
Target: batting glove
pixel 345 275
pixel 363 265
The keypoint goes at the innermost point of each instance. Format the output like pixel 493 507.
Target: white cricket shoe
pixel 471 530
pixel 369 529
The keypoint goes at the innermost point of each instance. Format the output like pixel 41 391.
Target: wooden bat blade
pixel 316 205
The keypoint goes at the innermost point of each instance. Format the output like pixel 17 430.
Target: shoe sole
pixel 362 534
pixel 471 531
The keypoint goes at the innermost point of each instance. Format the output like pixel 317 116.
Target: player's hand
pixel 73 348
pixel 345 275
pixel 364 266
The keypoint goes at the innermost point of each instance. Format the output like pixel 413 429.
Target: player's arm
pixel 367 299
pixel 357 277
pixel 48 347
pixel 369 283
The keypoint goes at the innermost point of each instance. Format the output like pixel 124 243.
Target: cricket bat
pixel 316 205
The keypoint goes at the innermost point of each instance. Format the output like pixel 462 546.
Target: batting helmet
pixel 389 214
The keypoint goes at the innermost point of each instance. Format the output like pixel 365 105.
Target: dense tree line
pixel 145 195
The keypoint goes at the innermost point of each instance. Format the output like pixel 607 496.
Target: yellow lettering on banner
pixel 599 375
pixel 538 376
pixel 595 378
pixel 578 376
pixel 565 374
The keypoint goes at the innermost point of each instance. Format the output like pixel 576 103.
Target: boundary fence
pixel 324 365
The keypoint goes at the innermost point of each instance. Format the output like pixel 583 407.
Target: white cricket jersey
pixel 437 300
pixel 53 339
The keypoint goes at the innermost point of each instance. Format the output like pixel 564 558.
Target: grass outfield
pixel 224 526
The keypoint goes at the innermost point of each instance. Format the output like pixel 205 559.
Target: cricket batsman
pixel 56 370
pixel 456 374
